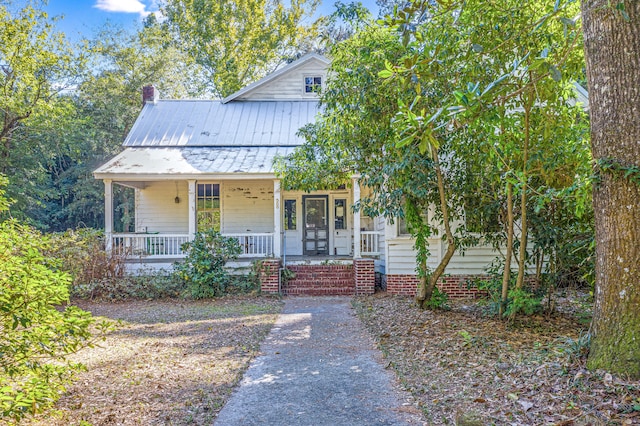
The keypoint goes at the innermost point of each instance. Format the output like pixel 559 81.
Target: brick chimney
pixel 149 94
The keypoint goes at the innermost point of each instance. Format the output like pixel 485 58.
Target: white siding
pixel 157 211
pixel 247 206
pixel 474 262
pixel 402 257
pixel 289 86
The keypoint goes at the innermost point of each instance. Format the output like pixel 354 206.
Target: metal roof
pixel 212 123
pixel 192 161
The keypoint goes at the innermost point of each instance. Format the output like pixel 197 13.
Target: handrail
pixel 370 243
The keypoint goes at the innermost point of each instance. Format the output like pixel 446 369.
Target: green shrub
pixel 82 254
pixel 203 269
pixel 151 285
pixel 439 300
pixel 37 332
pixel 522 301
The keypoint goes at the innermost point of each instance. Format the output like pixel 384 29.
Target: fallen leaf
pixel 526 405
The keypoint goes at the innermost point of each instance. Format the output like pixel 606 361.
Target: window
pixel 312 84
pixel 290 215
pixel 340 214
pixel 208 206
pixel 403 228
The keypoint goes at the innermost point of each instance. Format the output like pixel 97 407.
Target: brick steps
pixel 317 280
pixel 321 280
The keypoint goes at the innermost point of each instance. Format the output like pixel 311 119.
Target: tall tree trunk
pixel 523 197
pixel 506 273
pixel 612 47
pixel 451 245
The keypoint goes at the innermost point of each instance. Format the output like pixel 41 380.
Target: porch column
pixel 356 220
pixel 192 208
pixel 108 214
pixel 277 219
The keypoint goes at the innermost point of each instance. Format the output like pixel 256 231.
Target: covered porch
pixel 266 221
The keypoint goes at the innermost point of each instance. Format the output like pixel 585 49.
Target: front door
pixel 316 225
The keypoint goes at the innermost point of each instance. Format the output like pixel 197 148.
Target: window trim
pixel 314 85
pixel 213 197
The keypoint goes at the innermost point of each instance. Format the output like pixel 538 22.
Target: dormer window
pixel 312 84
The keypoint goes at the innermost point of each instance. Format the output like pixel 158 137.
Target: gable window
pixel 312 84
pixel 208 206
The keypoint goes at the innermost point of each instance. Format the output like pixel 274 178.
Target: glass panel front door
pixel 316 225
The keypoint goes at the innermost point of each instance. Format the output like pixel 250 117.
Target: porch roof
pixel 136 163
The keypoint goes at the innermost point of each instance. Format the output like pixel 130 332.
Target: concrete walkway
pixel 318 367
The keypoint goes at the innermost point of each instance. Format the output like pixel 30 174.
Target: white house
pixel 203 163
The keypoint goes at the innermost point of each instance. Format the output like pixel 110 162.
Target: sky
pixel 82 18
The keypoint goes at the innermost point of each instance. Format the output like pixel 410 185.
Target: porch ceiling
pixel 191 161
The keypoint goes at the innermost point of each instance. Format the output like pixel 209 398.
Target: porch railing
pixel 370 243
pixel 254 244
pixel 156 245
pixel 168 245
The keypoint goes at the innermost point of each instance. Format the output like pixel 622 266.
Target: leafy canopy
pixel 238 42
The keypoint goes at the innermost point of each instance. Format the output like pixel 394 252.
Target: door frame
pixel 327 211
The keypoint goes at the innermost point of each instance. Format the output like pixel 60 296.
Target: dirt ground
pixel 176 362
pixel 466 368
pixel 170 362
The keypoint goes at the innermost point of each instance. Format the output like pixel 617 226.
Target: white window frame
pixel 304 84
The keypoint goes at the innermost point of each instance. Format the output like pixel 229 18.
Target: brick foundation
pixel 321 280
pixel 365 276
pixel 456 286
pixel 269 276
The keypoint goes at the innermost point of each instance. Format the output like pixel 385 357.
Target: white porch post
pixel 108 214
pixel 192 208
pixel 356 220
pixel 277 219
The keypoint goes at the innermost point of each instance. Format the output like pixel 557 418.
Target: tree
pixel 612 48
pixel 472 95
pixel 105 105
pixel 238 42
pixel 502 74
pixel 36 65
pixel 38 333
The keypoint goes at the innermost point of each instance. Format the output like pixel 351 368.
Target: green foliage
pixel 575 349
pixel 519 301
pixel 203 269
pixel 629 172
pixel 287 275
pixel 81 253
pixel 35 65
pixel 149 285
pixel 523 301
pixel 438 300
pixel 239 42
pixel 37 331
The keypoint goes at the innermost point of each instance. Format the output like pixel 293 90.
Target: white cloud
pixel 124 6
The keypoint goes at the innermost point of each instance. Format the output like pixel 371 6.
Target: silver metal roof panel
pixel 211 123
